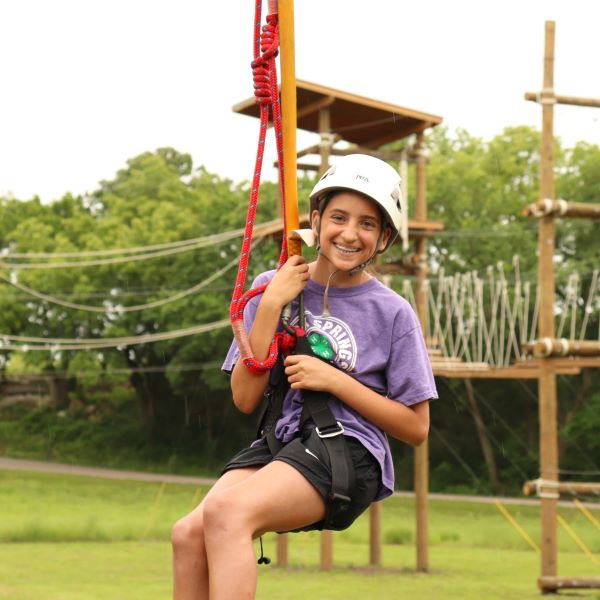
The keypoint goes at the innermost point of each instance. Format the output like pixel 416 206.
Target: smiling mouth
pixel 345 249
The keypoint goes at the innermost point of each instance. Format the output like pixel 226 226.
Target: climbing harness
pixel 316 412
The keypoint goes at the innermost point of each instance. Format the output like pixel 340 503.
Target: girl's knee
pixel 223 511
pixel 188 532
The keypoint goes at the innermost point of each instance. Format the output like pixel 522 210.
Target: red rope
pixel 266 90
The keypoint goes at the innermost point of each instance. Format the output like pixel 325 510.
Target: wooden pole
pixel 564 488
pixel 326 140
pixel 573 100
pixel 553 584
pixel 421 458
pixel 546 286
pixel 562 208
pixel 375 534
pixel 326 550
pixel 546 347
pixel 289 118
pixel 285 9
pixel 282 550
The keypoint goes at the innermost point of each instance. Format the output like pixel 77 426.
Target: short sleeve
pixel 409 376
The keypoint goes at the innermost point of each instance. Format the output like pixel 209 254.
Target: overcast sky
pixel 87 84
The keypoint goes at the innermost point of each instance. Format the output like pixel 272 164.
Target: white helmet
pixel 369 176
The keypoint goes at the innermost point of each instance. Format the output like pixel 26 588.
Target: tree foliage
pixel 477 188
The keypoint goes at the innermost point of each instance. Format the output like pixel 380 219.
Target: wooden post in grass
pixel 546 286
pixel 421 461
pixel 375 534
pixel 282 550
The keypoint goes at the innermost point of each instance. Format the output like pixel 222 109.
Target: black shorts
pixel 308 455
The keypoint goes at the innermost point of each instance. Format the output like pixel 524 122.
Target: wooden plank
pixel 464 372
pixel 548 584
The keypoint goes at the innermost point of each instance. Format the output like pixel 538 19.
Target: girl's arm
pixel 246 387
pixel 408 424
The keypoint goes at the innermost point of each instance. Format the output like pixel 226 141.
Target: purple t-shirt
pixel 373 335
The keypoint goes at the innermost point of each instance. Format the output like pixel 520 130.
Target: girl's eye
pixel 337 218
pixel 369 224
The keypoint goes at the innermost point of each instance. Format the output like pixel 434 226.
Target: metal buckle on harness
pixel 330 430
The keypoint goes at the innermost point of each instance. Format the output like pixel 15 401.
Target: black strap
pixel 316 408
pixel 274 395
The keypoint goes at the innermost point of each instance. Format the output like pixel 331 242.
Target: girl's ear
pixel 315 221
pixel 384 240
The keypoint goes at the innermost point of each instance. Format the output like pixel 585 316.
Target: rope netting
pixel 487 320
pixel 266 91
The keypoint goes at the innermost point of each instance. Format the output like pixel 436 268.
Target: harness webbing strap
pixel 317 410
pixel 331 432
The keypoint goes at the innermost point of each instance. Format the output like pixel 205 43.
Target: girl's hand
pixel 309 372
pixel 288 282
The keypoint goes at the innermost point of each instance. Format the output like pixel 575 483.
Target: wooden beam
pixel 315 106
pixel 552 584
pixel 392 137
pixel 560 363
pixel 573 100
pixel 465 371
pixel 562 488
pixel 549 347
pixel 562 208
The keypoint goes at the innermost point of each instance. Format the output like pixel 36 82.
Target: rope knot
pixel 264 90
pixel 269 38
pixel 262 84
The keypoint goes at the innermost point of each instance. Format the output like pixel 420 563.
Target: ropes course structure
pixel 10 342
pixel 490 323
pixel 550 350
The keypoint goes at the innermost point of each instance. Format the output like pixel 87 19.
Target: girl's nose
pixel 349 232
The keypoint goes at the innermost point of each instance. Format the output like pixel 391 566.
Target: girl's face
pixel 350 228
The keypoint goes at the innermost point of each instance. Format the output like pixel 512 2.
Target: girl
pixel 376 375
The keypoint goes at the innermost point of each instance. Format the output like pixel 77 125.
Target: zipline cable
pixel 58 344
pixel 122 309
pixel 204 242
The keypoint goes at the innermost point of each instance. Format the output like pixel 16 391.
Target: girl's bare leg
pixel 274 498
pixel 190 568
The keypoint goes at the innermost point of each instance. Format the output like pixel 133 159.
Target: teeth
pixel 346 250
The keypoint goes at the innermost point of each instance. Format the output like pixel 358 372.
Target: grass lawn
pixel 78 538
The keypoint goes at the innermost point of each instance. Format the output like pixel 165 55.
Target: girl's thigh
pixel 275 497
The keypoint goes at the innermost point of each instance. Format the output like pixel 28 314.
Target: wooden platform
pixel 528 369
pixel 357 119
